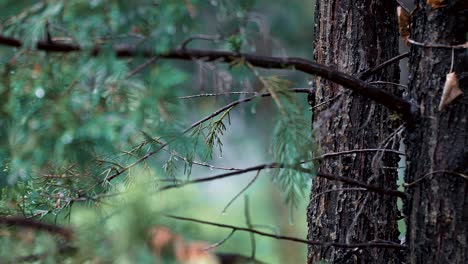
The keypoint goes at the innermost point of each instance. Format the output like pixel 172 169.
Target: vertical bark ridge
pixel 354 35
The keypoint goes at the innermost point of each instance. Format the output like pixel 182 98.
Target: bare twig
pixel 142 66
pixel 392 83
pixel 411 184
pixel 380 96
pixel 248 222
pixel 352 151
pixel 241 192
pixel 324 102
pixel 368 187
pixel 217 244
pixel 214 94
pixel 377 244
pixel 438 45
pixel 364 75
pixel 200 37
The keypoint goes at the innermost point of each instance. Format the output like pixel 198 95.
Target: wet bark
pixel 438 206
pixel 354 36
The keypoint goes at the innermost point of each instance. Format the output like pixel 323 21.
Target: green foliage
pixel 235 43
pixel 69 121
pixel 212 133
pixel 116 229
pixel 292 141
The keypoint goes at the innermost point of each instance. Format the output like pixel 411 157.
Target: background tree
pixel 437 156
pixel 355 36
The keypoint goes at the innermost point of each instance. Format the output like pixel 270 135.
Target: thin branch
pixel 364 75
pixel 326 101
pixel 200 37
pixel 23 222
pixel 248 222
pixel 142 66
pixel 368 187
pixel 380 96
pixel 217 244
pixel 138 161
pixel 463 176
pixel 213 94
pixel 352 151
pixel 377 244
pixel 241 192
pixel 438 45
pixel 392 83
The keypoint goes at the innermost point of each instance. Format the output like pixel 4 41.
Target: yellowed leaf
pixel 451 90
pixel 436 3
pixel 403 24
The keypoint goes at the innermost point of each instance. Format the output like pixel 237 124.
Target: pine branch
pixel 376 244
pixel 206 118
pixel 380 96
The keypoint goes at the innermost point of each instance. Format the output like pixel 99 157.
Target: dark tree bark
pixel 354 36
pixel 438 205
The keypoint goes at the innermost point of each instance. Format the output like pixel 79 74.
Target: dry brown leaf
pixel 436 3
pixel 451 90
pixel 403 24
pixel 159 238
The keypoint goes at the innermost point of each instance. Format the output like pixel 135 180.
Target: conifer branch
pixel 206 118
pixel 275 165
pixel 380 96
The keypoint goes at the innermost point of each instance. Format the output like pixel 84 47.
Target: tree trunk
pixel 438 206
pixel 354 36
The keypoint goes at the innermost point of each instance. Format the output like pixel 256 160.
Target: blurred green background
pixel 75 115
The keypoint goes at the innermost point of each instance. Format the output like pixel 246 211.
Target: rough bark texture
pixel 438 207
pixel 354 35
